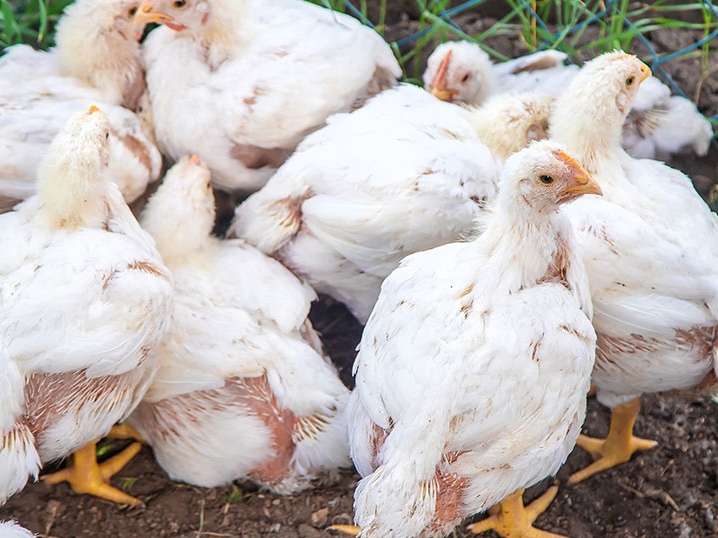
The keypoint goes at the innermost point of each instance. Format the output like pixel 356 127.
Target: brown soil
pixel 669 492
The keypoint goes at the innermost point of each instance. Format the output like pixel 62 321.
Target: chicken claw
pixel 511 519
pixel 618 447
pixel 85 475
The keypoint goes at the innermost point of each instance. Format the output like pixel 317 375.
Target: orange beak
pixel 645 72
pixel 93 108
pixel 581 181
pixel 438 85
pixel 194 159
pixel 147 14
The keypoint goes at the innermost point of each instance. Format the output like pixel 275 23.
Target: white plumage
pixel 241 83
pixel 10 529
pixel 404 173
pixel 473 367
pixel 649 246
pixel 659 124
pixel 243 390
pixel 83 297
pixel 96 62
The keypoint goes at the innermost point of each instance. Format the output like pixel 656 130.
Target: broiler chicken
pixel 649 246
pixel 404 173
pixel 658 125
pixel 83 298
pixel 241 82
pixel 495 336
pixel 243 390
pixel 97 61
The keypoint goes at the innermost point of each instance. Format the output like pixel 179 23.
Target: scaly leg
pixel 86 476
pixel 351 530
pixel 618 447
pixel 511 519
pixel 125 431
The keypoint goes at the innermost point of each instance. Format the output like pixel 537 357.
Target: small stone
pixel 319 518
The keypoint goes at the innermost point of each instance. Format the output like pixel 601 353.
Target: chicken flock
pixel 502 235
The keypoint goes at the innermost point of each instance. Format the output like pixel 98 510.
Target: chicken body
pixel 659 124
pixel 404 173
pixel 241 83
pixel 646 245
pixel 96 62
pixel 10 529
pixel 495 334
pixel 243 390
pixel 84 297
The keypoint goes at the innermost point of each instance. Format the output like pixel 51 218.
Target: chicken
pixel 241 82
pixel 83 298
pixel 243 390
pixel 658 125
pixel 404 173
pixel 495 335
pixel 649 246
pixel 97 61
pixel 10 529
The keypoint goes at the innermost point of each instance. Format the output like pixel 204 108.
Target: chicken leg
pixel 85 475
pixel 511 519
pixel 618 447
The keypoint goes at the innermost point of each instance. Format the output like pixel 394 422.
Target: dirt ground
pixel 669 492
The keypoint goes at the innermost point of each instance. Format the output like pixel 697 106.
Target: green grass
pixel 29 21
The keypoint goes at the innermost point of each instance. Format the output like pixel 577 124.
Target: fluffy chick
pixel 495 334
pixel 241 82
pixel 84 297
pixel 653 278
pixel 243 390
pixel 404 173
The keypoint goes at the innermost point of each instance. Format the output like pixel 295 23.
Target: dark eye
pixel 546 179
pixel 629 81
pixel 465 77
pixel 107 135
pixel 132 11
pixel 179 4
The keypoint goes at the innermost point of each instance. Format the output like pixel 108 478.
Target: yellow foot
pixel 125 431
pixel 86 476
pixel 511 519
pixel 618 447
pixel 351 530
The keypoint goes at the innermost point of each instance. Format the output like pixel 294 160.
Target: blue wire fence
pixel 553 34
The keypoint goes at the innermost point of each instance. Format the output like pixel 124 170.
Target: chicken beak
pixel 147 14
pixel 438 85
pixel 580 182
pixel 645 72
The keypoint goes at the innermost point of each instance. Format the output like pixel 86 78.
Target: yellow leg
pixel 351 530
pixel 510 519
pixel 618 447
pixel 125 431
pixel 86 476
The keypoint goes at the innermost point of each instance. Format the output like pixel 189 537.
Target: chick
pixel 495 335
pixel 84 298
pixel 243 390
pixel 242 82
pixel 404 173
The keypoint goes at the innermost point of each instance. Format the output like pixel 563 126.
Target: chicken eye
pixel 179 4
pixel 132 11
pixel 546 179
pixel 629 81
pixel 465 77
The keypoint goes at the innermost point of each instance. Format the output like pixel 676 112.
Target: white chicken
pixel 83 297
pixel 658 125
pixel 495 334
pixel 243 390
pixel 96 61
pixel 241 82
pixel 404 173
pixel 649 246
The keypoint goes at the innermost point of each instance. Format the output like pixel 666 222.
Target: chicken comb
pixel 194 159
pixel 92 109
pixel 443 68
